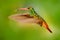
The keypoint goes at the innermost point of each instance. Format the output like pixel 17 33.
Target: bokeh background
pixel 48 9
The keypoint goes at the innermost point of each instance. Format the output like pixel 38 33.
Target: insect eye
pixel 28 8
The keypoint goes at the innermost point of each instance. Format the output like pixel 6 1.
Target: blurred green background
pixel 48 9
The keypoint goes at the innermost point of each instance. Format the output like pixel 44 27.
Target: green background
pixel 48 9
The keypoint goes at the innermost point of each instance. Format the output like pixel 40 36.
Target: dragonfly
pixel 35 15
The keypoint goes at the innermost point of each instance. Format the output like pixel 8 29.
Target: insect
pixel 35 15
